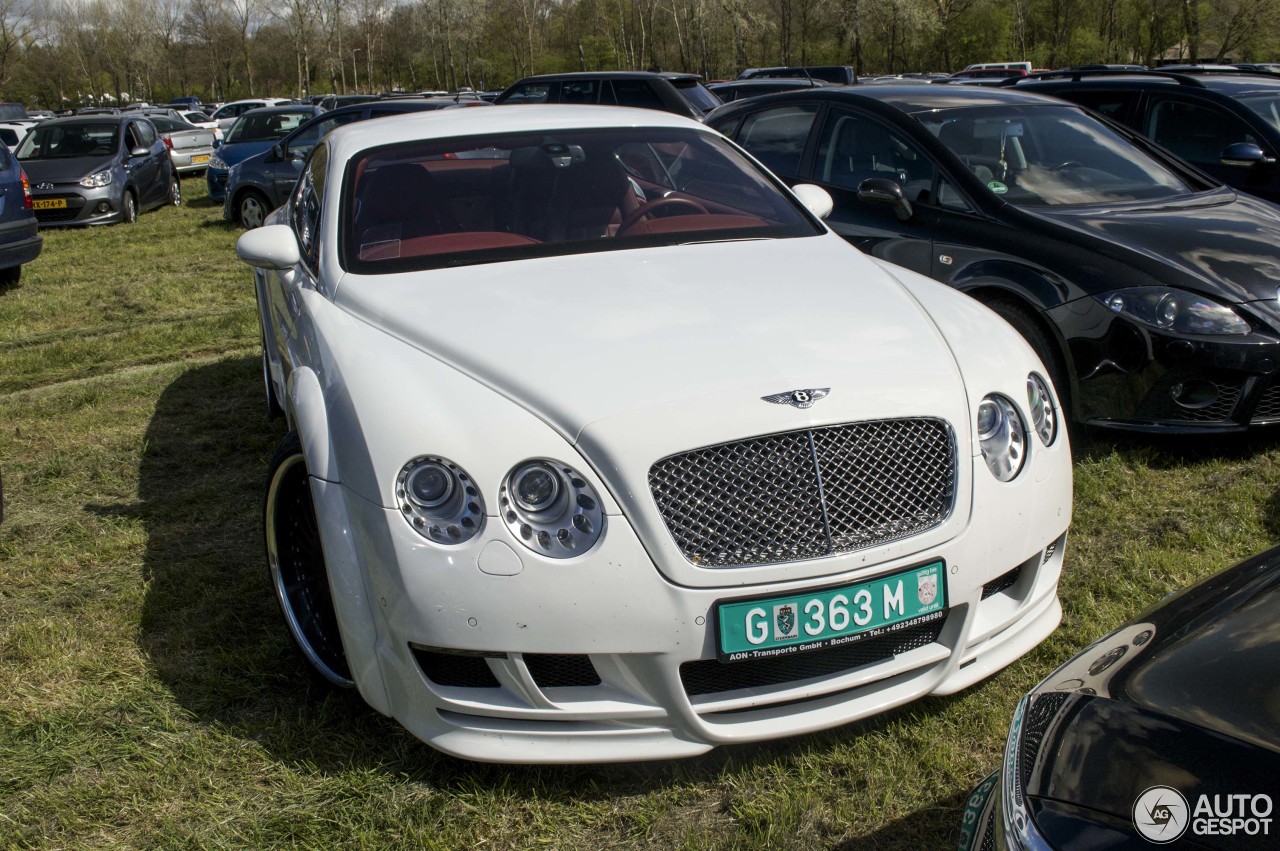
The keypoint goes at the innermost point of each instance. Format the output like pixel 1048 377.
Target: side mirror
pixel 815 198
pixel 277 151
pixel 139 152
pixel 270 247
pixel 881 190
pixel 1242 154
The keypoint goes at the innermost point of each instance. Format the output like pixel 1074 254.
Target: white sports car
pixel 602 447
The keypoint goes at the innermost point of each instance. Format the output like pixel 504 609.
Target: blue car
pixel 19 241
pixel 254 132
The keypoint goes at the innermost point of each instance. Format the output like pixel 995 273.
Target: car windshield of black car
pixel 485 199
pixel 66 141
pixel 1042 156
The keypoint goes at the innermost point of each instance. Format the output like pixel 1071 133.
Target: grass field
pixel 149 697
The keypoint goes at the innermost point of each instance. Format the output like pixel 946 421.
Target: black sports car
pixel 1147 288
pixel 1166 731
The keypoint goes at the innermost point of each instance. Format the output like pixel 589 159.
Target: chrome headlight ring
pixel 1044 416
pixel 439 500
pixel 551 509
pixel 1002 436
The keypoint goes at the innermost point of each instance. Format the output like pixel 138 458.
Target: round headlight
pixel 439 500
pixel 1044 418
pixel 551 509
pixel 1002 436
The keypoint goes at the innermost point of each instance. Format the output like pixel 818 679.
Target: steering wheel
pixel 1069 164
pixel 648 208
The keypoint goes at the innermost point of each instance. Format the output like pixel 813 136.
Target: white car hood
pixel 586 338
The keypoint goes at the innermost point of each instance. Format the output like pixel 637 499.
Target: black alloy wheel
pixel 297 567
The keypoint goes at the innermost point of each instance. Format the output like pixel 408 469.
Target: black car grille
pixel 75 203
pixel 1268 407
pixel 454 669
pixel 709 676
pixel 555 670
pixel 808 493
pixel 1218 411
pixel 1003 582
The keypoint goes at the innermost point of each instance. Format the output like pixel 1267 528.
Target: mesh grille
pixel 451 669
pixel 1002 582
pixel 1219 410
pixel 989 835
pixel 1040 714
pixel 1269 405
pixel 552 670
pixel 709 676
pixel 806 494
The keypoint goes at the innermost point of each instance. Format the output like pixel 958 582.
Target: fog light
pixel 1194 395
pixel 103 207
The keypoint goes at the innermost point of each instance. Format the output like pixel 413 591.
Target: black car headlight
pixel 1175 310
pixel 1002 435
pixel 551 509
pixel 1044 416
pixel 439 500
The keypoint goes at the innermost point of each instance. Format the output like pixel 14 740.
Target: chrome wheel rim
pixel 298 574
pixel 251 212
pixel 175 192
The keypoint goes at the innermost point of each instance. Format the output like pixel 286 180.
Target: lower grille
pixel 709 676
pixel 809 493
pixel 455 670
pixel 1218 411
pixel 1268 407
pixel 1001 583
pixel 550 670
pixel 74 205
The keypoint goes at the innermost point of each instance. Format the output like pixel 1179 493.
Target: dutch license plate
pixel 200 158
pixel 775 626
pixel 49 203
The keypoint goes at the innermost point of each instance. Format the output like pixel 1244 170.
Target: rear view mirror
pixel 881 190
pixel 996 129
pixel 816 199
pixel 1242 154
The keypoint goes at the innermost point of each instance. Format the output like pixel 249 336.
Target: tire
pixel 9 277
pixel 1024 320
pixel 295 561
pixel 252 208
pixel 128 208
pixel 175 190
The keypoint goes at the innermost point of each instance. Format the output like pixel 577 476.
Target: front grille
pixel 1003 582
pixel 1216 412
pixel 1268 407
pixel 808 493
pixel 1040 714
pixel 453 669
pixel 709 676
pixel 556 670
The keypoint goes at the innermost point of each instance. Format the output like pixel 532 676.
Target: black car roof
pixel 104 118
pixel 913 98
pixel 1226 83
pixel 610 75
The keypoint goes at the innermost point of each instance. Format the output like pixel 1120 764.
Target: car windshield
pixel 486 199
pixel 697 94
pixel 169 125
pixel 264 127
pixel 64 141
pixel 1266 105
pixel 1042 156
pixel 12 112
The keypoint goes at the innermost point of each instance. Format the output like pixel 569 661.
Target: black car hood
pixel 1187 695
pixel 1222 244
pixel 66 170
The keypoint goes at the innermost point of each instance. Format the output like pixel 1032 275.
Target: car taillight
pixel 168 142
pixel 26 190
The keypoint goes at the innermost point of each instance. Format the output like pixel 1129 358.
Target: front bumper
pixel 216 178
pixel 1134 378
pixel 98 206
pixel 489 652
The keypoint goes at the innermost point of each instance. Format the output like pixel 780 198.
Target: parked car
pixel 13 112
pixel 1166 729
pixel 331 102
pixel 20 242
pixel 1148 289
pixel 998 72
pixel 227 114
pixel 524 559
pixel 262 182
pixel 682 94
pixel 189 102
pixel 11 132
pixel 254 132
pixel 840 75
pixel 190 147
pixel 204 122
pixel 742 89
pixel 1227 125
pixel 97 169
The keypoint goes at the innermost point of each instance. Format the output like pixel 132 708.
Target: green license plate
pixel 775 626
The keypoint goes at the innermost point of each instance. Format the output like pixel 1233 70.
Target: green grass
pixel 149 697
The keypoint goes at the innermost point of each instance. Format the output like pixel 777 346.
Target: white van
pixel 982 66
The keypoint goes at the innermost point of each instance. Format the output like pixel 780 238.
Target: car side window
pixel 146 133
pixel 777 137
pixel 532 93
pixel 1118 106
pixel 578 91
pixel 131 140
pixel 855 147
pixel 307 203
pixel 1196 132
pixel 302 144
pixel 637 93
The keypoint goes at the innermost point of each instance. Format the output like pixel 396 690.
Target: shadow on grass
pixel 213 633
pixel 936 825
pixel 1171 451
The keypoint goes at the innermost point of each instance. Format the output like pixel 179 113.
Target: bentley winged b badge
pixel 798 398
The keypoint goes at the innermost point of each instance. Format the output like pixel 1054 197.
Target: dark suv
pixel 1227 124
pixel 683 94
